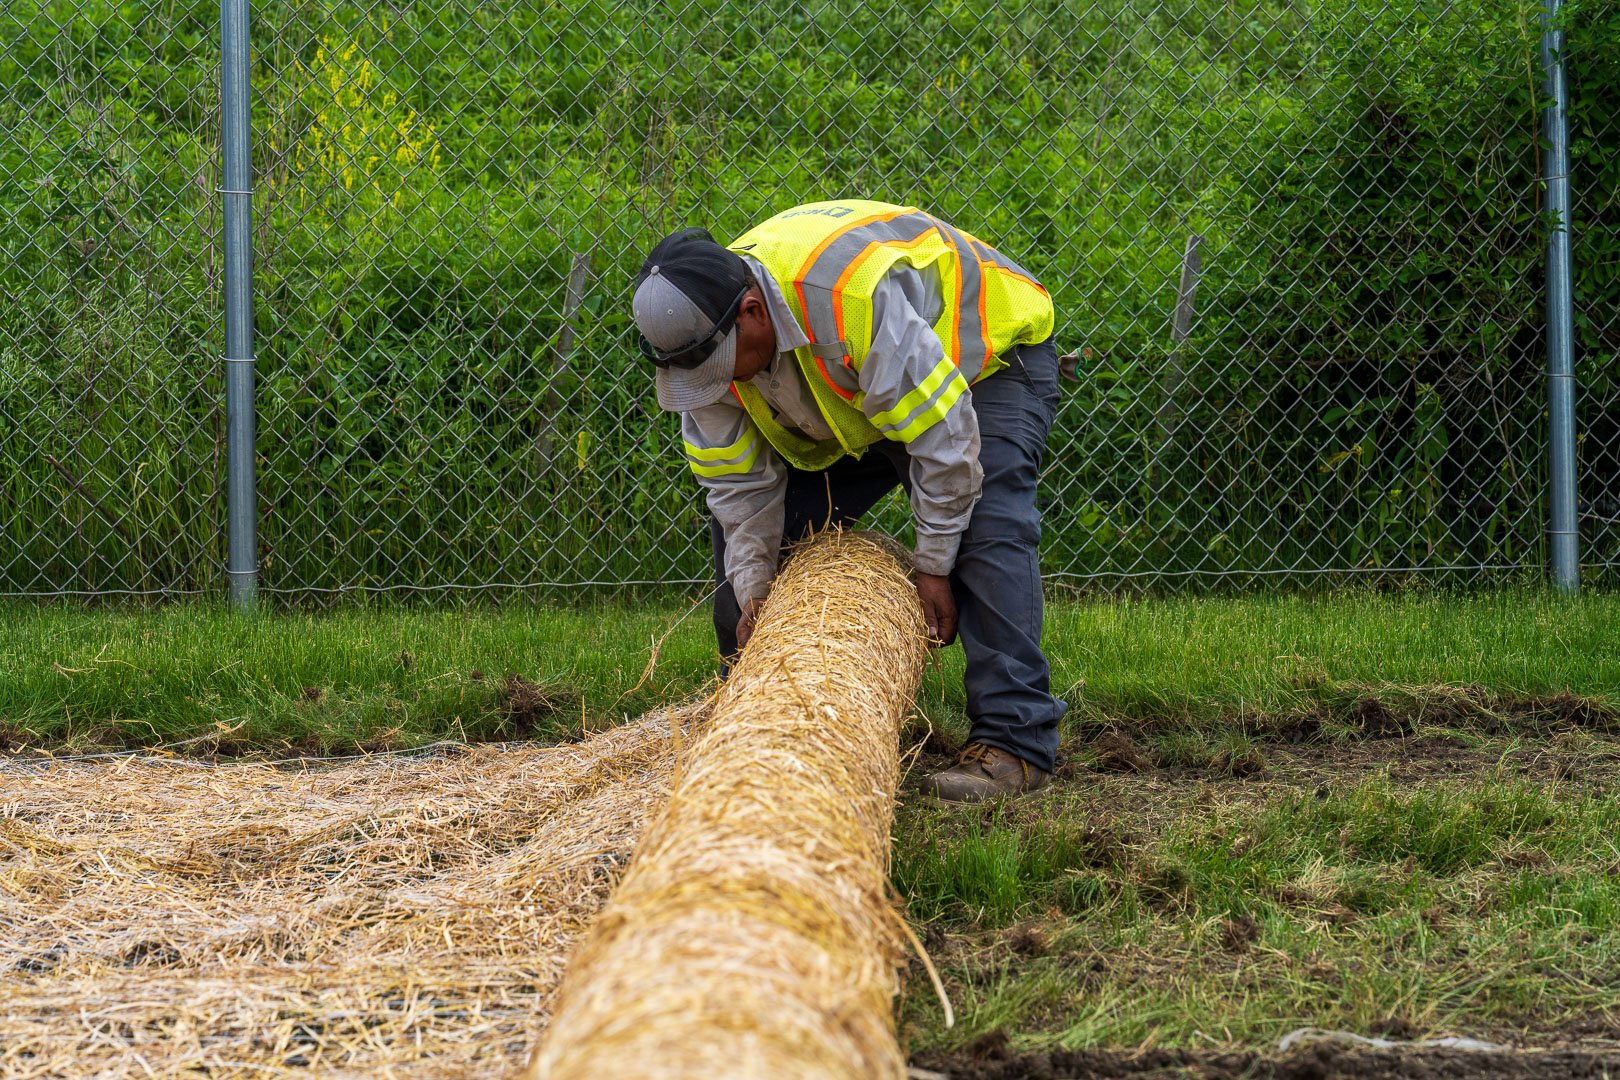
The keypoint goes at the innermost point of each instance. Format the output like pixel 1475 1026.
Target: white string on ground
pixel 1305 1036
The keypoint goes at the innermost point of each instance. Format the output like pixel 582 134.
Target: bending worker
pixel 839 349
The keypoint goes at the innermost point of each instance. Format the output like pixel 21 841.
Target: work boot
pixel 985 772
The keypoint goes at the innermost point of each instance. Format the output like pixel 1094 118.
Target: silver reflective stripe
pixel 821 278
pixel 730 460
pixel 924 406
pixel 990 255
pixel 972 344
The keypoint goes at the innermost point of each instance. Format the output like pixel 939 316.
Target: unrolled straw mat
pixel 386 917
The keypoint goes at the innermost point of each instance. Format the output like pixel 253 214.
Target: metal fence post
pixel 1562 528
pixel 237 194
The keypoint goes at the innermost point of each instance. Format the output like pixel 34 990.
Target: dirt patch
pixel 1564 711
pixel 1586 762
pixel 924 749
pixel 1118 752
pixel 1239 932
pixel 1404 726
pixel 524 703
pixel 1396 712
pixel 1415 735
pixel 988 1058
pixel 1378 721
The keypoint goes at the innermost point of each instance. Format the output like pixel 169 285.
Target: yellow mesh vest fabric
pixel 828 258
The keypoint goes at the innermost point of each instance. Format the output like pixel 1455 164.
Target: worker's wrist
pixel 750 585
pixel 936 554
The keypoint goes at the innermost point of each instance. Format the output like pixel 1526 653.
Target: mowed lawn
pixel 1383 813
pixel 389 677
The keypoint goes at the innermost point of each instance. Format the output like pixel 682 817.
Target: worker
pixel 833 352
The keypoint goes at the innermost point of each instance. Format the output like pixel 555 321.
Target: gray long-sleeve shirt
pixel 944 457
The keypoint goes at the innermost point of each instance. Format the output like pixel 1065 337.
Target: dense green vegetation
pixel 1360 388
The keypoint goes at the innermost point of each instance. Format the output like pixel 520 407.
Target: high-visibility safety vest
pixel 828 258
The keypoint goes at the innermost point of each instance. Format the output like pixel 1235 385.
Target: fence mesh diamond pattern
pixel 1295 246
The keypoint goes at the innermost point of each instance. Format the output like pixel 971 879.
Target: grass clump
pixel 1440 829
pixel 991 870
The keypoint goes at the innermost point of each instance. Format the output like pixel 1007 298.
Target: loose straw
pixel 750 936
pixel 389 916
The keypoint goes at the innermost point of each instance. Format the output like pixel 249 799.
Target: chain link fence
pixel 1296 247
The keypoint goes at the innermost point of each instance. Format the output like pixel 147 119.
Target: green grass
pixel 1205 657
pixel 1194 876
pixel 1187 675
pixel 1203 666
pixel 1483 903
pixel 355 679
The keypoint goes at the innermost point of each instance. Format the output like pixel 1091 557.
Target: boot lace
pixel 981 753
pixel 975 752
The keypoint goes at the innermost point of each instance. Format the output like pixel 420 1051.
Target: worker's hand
pixel 745 625
pixel 939 607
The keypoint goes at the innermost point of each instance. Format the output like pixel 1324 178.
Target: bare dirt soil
pixel 1435 734
pixel 1320 1061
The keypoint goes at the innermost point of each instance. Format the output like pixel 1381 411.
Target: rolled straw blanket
pixel 751 935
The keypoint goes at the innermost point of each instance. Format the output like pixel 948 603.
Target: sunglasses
pixel 690 356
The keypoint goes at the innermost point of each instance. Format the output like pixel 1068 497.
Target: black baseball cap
pixel 687 295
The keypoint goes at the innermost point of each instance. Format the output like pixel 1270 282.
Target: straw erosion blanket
pixel 388 916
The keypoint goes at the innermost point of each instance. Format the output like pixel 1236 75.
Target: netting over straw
pixel 751 936
pixel 384 917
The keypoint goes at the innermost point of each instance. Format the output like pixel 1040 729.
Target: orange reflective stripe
pixel 859 261
pixel 989 256
pixel 804 271
pixel 847 395
pixel 967 264
pixel 1021 277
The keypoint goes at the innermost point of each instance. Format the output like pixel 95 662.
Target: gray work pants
pixel 997 579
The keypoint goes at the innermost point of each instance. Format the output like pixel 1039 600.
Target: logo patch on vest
pixel 822 211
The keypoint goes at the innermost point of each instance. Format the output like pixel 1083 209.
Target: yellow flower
pixel 361 133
